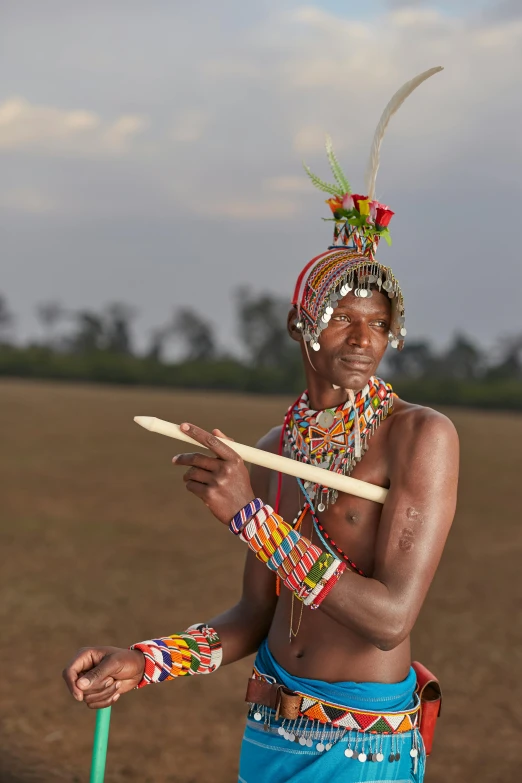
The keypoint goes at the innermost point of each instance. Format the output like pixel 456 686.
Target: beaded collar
pixel 328 438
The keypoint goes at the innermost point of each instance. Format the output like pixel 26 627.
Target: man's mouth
pixel 356 361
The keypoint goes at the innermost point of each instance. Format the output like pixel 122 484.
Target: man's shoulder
pixel 271 440
pixel 411 421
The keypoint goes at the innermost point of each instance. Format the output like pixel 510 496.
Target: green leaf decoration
pixel 322 185
pixel 387 236
pixel 337 171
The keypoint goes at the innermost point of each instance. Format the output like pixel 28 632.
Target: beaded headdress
pixel 349 264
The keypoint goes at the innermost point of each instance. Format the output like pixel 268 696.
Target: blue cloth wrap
pixel 267 757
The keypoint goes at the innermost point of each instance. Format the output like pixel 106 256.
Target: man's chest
pixel 350 525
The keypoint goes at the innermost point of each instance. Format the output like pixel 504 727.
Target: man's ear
pixel 291 323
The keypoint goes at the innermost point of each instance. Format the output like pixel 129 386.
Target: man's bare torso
pixel 324 649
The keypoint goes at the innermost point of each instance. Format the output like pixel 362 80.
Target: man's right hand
pixel 99 675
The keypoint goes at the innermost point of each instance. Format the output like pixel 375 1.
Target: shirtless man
pixel 348 708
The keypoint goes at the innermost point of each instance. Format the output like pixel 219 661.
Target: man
pixel 332 692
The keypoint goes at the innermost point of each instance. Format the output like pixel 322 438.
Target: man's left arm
pixel 414 525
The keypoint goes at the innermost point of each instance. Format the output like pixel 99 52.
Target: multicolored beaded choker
pixel 328 438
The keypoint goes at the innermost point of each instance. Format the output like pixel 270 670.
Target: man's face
pixel 355 340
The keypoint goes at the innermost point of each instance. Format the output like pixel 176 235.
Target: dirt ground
pixel 97 535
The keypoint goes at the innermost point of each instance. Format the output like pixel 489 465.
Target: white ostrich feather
pixel 395 104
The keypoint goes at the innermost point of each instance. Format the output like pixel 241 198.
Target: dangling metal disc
pixel 325 419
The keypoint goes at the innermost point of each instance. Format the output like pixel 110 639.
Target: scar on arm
pixel 414 515
pixel 406 542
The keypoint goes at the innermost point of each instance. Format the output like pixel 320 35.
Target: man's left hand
pixel 221 481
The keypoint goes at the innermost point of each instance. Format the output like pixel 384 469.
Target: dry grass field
pixel 96 538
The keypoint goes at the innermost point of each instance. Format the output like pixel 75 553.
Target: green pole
pixel 99 748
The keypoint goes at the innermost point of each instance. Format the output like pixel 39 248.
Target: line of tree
pixel 100 346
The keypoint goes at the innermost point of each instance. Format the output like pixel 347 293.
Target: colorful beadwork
pixel 332 276
pixel 244 515
pixel 303 567
pixel 195 651
pixel 327 438
pixel 339 716
pixel 359 223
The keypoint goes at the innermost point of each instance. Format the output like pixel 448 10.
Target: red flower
pixel 356 200
pixel 383 215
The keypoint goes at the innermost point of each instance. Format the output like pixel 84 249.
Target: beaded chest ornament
pixel 329 439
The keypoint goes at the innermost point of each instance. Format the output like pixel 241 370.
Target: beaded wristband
pixel 195 651
pixel 245 515
pixel 304 568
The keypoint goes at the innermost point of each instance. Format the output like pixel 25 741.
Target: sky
pixel 151 153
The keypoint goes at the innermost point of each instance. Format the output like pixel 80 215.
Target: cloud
pixel 236 96
pixel 288 184
pixel 29 200
pixel 255 210
pixel 190 125
pixel 47 129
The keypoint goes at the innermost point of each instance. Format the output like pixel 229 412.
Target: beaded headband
pixel 349 264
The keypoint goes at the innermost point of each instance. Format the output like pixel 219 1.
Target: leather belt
pixel 291 705
pixel 285 702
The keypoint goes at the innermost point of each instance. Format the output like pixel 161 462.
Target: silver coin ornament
pixel 348 753
pixel 325 317
pixel 257 716
pixel 302 741
pixel 328 746
pixel 380 757
pixel 315 346
pixel 325 419
pixel 404 331
pixel 387 285
pixel 309 743
pixel 329 310
pixel 320 747
pixel 281 731
pixel 414 753
pixel 321 507
pixel 362 757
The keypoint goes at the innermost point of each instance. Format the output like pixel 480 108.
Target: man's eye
pixel 339 317
pixel 382 324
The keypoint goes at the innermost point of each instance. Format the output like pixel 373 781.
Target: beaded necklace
pixel 330 438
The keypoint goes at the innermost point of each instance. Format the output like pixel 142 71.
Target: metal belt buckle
pixel 278 701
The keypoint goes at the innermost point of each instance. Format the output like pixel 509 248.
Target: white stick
pixel 266 459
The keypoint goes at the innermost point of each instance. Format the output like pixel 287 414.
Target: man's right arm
pixel 98 675
pixel 243 628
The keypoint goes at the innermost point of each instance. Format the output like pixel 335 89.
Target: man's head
pixel 354 343
pixel 348 307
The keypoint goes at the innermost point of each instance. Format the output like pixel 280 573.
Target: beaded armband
pixel 305 569
pixel 245 515
pixel 195 651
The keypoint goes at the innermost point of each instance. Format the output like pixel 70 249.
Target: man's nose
pixel 359 335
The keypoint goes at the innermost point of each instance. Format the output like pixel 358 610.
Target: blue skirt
pixel 330 754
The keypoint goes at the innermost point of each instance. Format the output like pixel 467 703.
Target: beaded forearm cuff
pixel 245 515
pixel 305 569
pixel 195 651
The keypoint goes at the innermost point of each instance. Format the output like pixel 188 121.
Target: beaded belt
pixel 264 692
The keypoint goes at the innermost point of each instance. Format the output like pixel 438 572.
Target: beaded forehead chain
pixel 349 264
